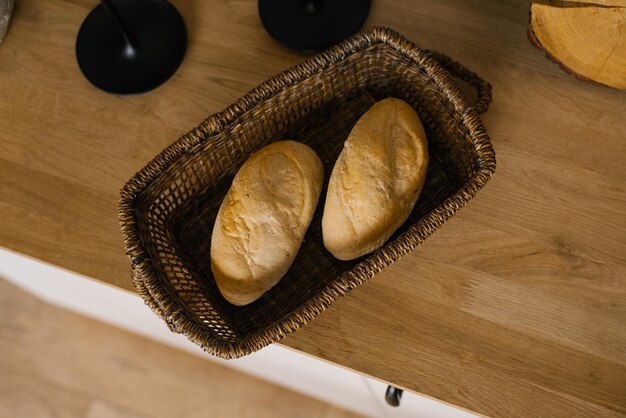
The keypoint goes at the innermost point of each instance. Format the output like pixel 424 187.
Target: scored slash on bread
pixel 263 219
pixel 376 180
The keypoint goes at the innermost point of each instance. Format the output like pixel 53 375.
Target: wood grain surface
pixel 516 307
pixel 76 367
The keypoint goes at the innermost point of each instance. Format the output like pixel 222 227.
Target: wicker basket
pixel 167 210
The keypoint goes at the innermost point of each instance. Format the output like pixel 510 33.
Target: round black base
pixel 312 25
pixel 158 43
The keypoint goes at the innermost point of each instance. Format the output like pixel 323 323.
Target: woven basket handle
pixel 483 89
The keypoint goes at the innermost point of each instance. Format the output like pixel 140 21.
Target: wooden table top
pixel 516 307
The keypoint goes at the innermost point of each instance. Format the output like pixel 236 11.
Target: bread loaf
pixel 263 219
pixel 376 180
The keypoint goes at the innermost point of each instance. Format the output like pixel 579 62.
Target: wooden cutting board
pixel 586 38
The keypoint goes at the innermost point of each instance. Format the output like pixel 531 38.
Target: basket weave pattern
pixel 167 210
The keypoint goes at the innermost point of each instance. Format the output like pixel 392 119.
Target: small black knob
pixel 393 396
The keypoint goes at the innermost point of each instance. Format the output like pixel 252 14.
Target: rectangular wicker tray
pixel 167 210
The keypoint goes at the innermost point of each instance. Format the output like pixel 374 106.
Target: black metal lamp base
pixel 131 46
pixel 312 25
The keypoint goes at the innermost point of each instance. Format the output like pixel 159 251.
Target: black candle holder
pixel 131 46
pixel 312 25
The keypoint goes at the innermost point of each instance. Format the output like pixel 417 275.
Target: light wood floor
pixel 55 363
